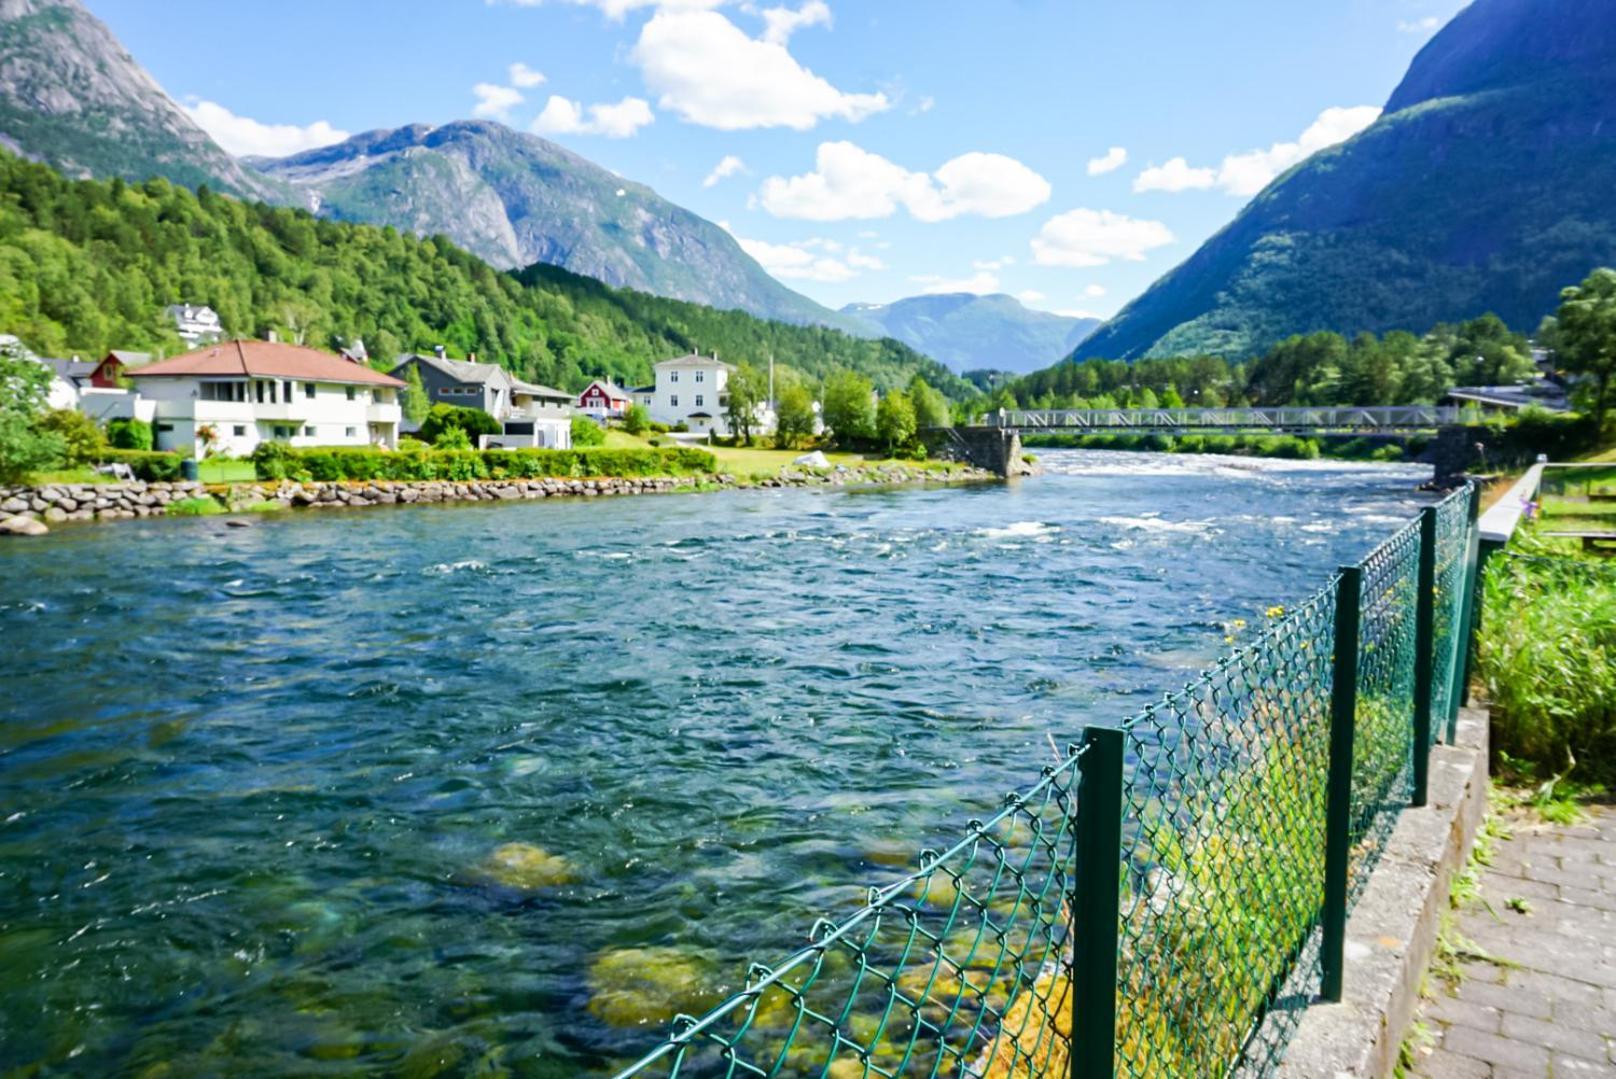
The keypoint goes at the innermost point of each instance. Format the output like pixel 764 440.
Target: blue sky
pixel 878 148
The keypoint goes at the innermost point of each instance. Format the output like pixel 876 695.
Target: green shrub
pixel 473 421
pixel 129 434
pixel 1547 653
pixel 636 419
pixel 586 432
pixel 148 465
pixel 452 438
pixel 82 441
pixel 275 461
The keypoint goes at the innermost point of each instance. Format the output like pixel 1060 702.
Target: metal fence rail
pixel 1167 898
pixel 1380 418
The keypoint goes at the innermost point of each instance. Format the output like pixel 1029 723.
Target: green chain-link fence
pixel 1167 898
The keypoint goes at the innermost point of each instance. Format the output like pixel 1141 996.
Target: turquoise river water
pixel 251 779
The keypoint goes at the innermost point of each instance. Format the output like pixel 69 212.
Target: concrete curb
pixel 1392 932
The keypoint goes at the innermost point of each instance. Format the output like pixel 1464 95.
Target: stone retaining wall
pixel 24 510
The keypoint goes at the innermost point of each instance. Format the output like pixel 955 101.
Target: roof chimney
pixel 271 336
pixel 439 351
pixel 471 356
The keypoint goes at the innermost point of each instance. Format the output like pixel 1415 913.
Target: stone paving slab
pixel 1547 1007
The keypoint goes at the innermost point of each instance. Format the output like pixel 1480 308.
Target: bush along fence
pixel 1165 900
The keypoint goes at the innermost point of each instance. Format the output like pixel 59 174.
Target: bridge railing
pixel 1388 418
pixel 1166 898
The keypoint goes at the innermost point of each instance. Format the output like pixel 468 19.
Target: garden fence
pixel 1166 899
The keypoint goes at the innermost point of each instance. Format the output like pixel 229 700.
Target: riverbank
pixel 1386 449
pixel 32 510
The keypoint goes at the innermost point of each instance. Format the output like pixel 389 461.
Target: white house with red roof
pixel 229 397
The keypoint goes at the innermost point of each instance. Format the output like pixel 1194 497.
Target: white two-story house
pixel 229 397
pixel 694 390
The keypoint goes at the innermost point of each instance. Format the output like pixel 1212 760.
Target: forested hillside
pixel 1313 369
pixel 89 265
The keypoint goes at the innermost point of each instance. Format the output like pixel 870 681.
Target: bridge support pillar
pixel 995 449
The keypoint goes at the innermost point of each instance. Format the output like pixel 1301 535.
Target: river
pixel 251 779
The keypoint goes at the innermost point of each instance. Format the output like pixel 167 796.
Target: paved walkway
pixel 1547 913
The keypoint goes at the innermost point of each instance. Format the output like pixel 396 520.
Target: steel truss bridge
pixel 1391 419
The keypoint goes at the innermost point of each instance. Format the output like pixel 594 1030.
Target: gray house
pixel 531 415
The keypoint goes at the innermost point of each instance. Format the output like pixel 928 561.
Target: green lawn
pixel 222 470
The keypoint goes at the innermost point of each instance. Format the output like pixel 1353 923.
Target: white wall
pixel 328 418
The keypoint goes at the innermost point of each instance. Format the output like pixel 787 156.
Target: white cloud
pixel 494 100
pixel 524 76
pixel 806 260
pixel 1176 175
pixel 1079 312
pixel 1419 26
pixel 562 116
pixel 1030 295
pixel 924 105
pixel 1095 237
pixel 1094 292
pixel 1246 174
pixel 1114 159
pixel 729 166
pixel 781 22
pixel 980 283
pixel 246 137
pixel 616 9
pixel 993 264
pixel 851 182
pixel 707 70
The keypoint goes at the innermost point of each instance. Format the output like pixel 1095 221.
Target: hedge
pixel 275 460
pixel 153 466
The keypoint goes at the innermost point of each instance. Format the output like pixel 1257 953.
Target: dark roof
pixel 265 359
pixel 128 358
pixel 535 389
pixel 1541 395
pixel 72 370
pixel 459 370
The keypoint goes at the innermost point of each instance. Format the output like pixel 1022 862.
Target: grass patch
pixel 269 506
pixel 194 507
pixel 225 470
pixel 762 462
pixel 1547 655
pixel 70 475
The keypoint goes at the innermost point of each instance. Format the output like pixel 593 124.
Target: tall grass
pixel 1547 653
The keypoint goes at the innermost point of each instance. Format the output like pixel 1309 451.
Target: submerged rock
pixel 629 987
pixel 529 868
pixel 22 526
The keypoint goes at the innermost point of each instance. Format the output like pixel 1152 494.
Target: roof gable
pixel 265 359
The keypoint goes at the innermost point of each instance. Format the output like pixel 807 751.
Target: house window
pixel 239 430
pixel 308 432
pixel 352 392
pixel 698 400
pixel 699 378
pixel 673 401
pixel 308 390
pixel 258 391
pixel 286 391
pixel 673 376
pixel 164 428
pixel 351 431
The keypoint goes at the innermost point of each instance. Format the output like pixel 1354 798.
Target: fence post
pixel 1424 654
pixel 1338 803
pixel 1471 617
pixel 1095 914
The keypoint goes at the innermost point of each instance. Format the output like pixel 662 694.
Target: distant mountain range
pixel 1485 186
pixel 72 97
pixel 970 332
pixel 516 199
